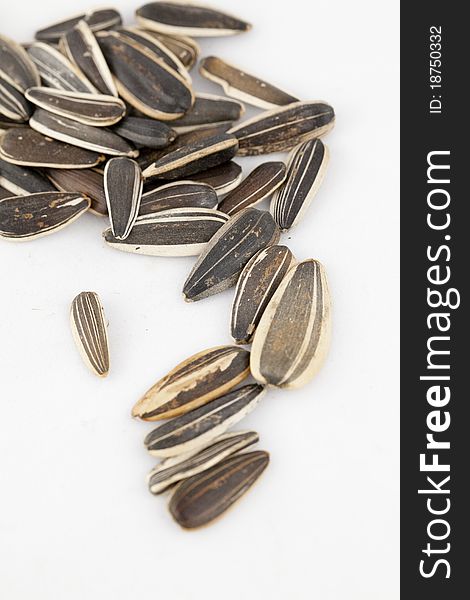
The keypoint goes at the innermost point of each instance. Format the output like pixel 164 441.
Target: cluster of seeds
pixel 102 117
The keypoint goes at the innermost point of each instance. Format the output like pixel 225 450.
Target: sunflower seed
pixel 89 109
pixel 145 132
pixel 224 258
pixel 4 193
pixel 82 49
pixel 56 71
pixel 239 84
pixel 123 189
pixel 84 181
pixel 177 232
pixel 184 18
pixel 21 180
pixel 13 104
pixel 292 338
pixel 199 427
pixel 259 184
pixel 95 19
pixel 166 474
pixel 36 215
pixel 204 497
pixel 223 178
pixel 306 170
pixel 144 80
pixel 182 194
pixel 184 48
pixel 24 146
pixel 208 109
pixel 283 128
pixel 194 382
pixel 89 331
pixel 78 134
pixel 15 65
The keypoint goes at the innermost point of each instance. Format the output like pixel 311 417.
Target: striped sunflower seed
pixel 184 48
pixel 144 80
pixel 260 184
pixel 84 181
pixel 15 65
pixel 283 128
pixel 145 132
pixel 292 338
pixel 97 20
pixel 259 280
pixel 209 109
pixel 78 134
pixel 36 215
pixel 200 499
pixel 194 382
pixel 21 181
pixel 171 471
pixel 90 109
pixel 236 83
pixel 177 232
pixel 184 18
pixel 123 189
pixel 198 428
pixel 306 170
pixel 24 146
pixel 13 104
pixel 223 178
pixel 227 253
pixel 181 194
pixel 89 331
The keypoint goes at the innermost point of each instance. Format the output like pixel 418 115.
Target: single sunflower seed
pixel 223 178
pixel 227 253
pixel 184 48
pixel 199 427
pixel 97 20
pixel 281 129
pixel 209 109
pixel 194 382
pixel 184 18
pixel 202 498
pixel 36 215
pixel 292 338
pixel 306 169
pixel 146 132
pixel 16 67
pixel 123 189
pixel 239 84
pixel 13 104
pixel 181 194
pixel 84 181
pixel 260 184
pixel 23 180
pixel 89 331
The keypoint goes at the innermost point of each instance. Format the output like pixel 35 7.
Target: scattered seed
pixel 21 181
pixel 184 48
pixel 97 20
pixel 123 190
pixel 146 132
pixel 84 181
pixel 13 105
pixel 223 178
pixel 181 194
pixel 209 109
pixel 15 65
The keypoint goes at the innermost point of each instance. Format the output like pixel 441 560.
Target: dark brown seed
pixel 181 194
pixel 15 65
pixel 239 84
pixel 13 104
pixel 260 184
pixel 123 190
pixel 282 129
pixel 200 499
pixel 146 132
pixel 22 180
pixel 84 181
pixel 183 47
pixel 4 193
pixel 36 215
pixel 209 109
pixel 223 178
pixel 95 19
pixel 220 265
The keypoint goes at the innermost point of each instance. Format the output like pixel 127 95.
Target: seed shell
pixel 260 184
pixel 84 181
pixel 199 427
pixel 223 178
pixel 224 258
pixel 145 132
pixel 200 499
pixel 37 215
pixel 123 189
pixel 21 181
pixel 4 193
pixel 97 20
pixel 184 48
pixel 292 338
pixel 283 128
pixel 16 66
pixel 209 109
pixel 13 104
pixel 170 471
pixel 306 170
pixel 194 382
pixel 181 194
pixel 89 331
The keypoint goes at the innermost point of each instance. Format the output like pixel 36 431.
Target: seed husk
pixel 84 136
pixel 223 178
pixel 257 284
pixel 36 215
pixel 4 193
pixel 16 66
pixel 97 20
pixel 144 80
pixel 227 253
pixel 57 71
pixel 89 331
pixel 200 499
pixel 21 181
pixel 184 48
pixel 184 18
pixel 123 189
pixel 181 194
pixel 24 146
pixel 306 169
pixel 146 132
pixel 13 104
pixel 260 184
pixel 239 84
pixel 209 109
pixel 84 181
pixel 199 427
pixel 292 338
pixel 171 471
pixel 176 232
pixel 194 382
pixel 281 129
pixel 90 109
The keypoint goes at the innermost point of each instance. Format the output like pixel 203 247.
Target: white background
pixel 76 520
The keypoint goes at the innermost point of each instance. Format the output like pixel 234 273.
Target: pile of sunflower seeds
pixel 97 116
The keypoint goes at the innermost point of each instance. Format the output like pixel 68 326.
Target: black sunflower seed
pixel 84 181
pixel 97 20
pixel 123 190
pixel 146 132
pixel 13 104
pixel 184 48
pixel 16 66
pixel 223 178
pixel 209 109
pixel 181 194
pixel 23 180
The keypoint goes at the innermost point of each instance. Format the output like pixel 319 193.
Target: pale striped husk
pixel 16 66
pixel 123 189
pixel 97 20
